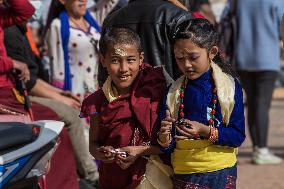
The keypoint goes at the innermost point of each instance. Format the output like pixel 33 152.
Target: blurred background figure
pixel 258 63
pixel 18 47
pixel 72 37
pixel 72 40
pixel 101 8
pixel 200 9
pixel 282 26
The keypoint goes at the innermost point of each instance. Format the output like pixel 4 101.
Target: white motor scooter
pixel 25 152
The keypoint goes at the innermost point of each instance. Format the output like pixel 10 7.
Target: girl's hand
pixel 104 154
pixel 133 152
pixel 191 129
pixel 166 127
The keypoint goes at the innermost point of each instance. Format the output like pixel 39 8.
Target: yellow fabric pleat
pixel 201 156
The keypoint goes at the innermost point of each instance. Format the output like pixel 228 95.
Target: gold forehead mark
pixel 120 52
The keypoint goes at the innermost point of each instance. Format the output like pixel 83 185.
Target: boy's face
pixel 122 62
pixel 192 60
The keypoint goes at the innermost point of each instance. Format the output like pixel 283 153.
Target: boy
pixel 124 116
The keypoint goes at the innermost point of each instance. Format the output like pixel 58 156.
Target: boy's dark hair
pixel 119 35
pixel 204 35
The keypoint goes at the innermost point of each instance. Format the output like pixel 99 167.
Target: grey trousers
pixel 259 88
pixel 85 165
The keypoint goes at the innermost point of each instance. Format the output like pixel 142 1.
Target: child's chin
pixel 192 76
pixel 124 85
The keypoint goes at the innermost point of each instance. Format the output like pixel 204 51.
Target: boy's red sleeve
pixel 6 64
pixel 92 104
pixel 19 11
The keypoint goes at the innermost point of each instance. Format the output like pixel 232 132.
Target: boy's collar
pixel 110 90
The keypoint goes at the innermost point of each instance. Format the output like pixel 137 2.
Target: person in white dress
pixel 73 46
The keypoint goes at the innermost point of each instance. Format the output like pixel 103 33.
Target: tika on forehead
pixel 120 52
pixel 182 52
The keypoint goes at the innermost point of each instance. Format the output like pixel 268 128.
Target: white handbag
pixel 157 176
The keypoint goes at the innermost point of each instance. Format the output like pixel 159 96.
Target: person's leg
pixel 248 83
pixel 265 86
pixel 265 82
pixel 75 126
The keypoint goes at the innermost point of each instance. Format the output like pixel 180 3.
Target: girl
pixel 72 41
pixel 123 113
pixel 203 119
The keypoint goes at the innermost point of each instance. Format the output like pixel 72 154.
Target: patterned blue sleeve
pixel 233 135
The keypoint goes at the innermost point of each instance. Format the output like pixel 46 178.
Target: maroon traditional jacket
pixel 132 119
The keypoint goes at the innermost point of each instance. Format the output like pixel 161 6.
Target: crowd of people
pixel 143 88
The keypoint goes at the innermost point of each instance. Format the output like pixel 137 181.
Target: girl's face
pixel 122 62
pixel 76 8
pixel 192 60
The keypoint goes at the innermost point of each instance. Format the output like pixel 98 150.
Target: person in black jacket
pixel 155 21
pixel 62 103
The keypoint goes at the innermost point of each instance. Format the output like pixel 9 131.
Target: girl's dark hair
pixel 119 35
pixel 56 7
pixel 204 35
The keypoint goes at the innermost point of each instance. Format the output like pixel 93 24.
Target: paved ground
pixel 265 177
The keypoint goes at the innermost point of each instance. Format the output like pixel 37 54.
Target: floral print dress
pixel 83 60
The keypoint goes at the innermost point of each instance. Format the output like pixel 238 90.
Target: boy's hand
pixel 166 127
pixel 191 129
pixel 104 154
pixel 125 162
pixel 133 152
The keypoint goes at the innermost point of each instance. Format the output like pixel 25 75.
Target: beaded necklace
pixel 181 105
